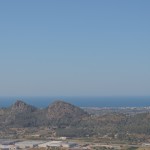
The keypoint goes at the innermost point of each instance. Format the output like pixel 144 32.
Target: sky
pixel 74 48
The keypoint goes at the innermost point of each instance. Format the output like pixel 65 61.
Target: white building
pixel 146 144
pixel 69 144
pixel 28 144
pixel 6 144
pixel 51 144
pixel 58 144
pixel 8 147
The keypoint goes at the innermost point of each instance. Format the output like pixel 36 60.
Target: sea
pixel 42 102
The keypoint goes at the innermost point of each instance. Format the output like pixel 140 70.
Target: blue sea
pixel 42 102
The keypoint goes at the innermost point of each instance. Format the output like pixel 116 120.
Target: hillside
pixel 65 119
pixel 60 109
pixel 20 106
pixel 58 113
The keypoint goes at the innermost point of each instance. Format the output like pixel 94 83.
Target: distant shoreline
pixel 81 101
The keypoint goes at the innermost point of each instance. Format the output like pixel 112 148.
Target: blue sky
pixel 74 48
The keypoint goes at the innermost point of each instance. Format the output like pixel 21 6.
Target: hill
pixel 61 109
pixel 65 119
pixel 20 106
pixel 62 113
pixel 58 113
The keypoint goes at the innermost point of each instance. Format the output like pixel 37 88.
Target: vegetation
pixel 64 119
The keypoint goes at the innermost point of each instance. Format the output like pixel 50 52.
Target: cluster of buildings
pixel 16 144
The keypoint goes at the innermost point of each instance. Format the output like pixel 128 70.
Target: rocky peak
pixel 60 109
pixel 21 106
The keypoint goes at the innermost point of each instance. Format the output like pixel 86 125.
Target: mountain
pixel 19 114
pixel 20 106
pixel 61 109
pixel 58 113
pixel 71 121
pixel 61 113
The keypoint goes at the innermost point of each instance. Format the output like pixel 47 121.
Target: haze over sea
pixel 81 101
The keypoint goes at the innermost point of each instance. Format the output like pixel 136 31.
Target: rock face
pixel 20 106
pixel 63 114
pixel 59 113
pixel 60 109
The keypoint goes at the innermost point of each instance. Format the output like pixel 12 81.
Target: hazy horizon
pixel 42 102
pixel 75 48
